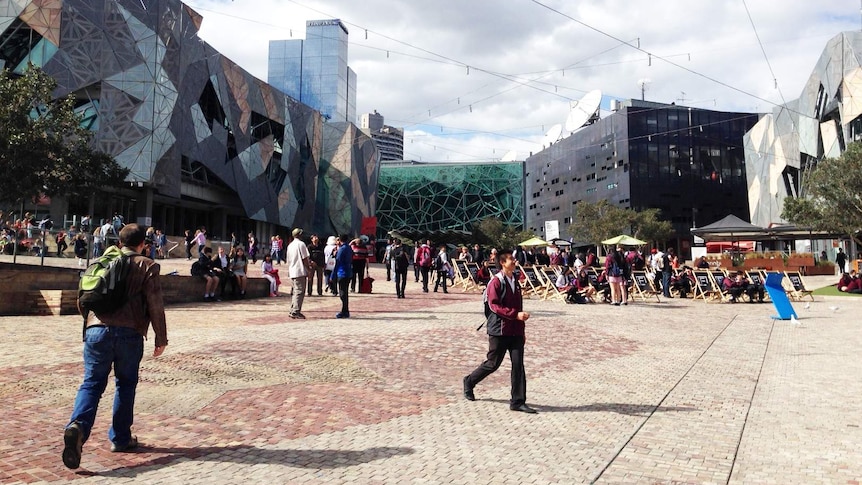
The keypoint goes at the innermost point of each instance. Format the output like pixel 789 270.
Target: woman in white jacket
pixel 329 260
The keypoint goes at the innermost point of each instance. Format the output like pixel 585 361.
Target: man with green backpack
pixel 119 297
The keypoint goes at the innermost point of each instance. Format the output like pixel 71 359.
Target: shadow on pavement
pixel 249 455
pixel 603 407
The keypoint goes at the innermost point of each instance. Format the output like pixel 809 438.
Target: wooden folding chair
pixel 473 275
pixel 756 277
pixel 532 283
pixel 705 286
pixel 551 292
pixel 796 289
pixel 718 276
pixel 642 288
pixel 463 278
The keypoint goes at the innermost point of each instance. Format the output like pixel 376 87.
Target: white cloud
pixel 517 86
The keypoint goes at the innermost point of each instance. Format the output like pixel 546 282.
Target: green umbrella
pixel 534 241
pixel 624 240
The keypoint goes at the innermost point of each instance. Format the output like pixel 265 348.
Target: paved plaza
pixel 673 392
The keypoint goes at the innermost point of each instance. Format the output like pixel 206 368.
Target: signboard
pixel 552 230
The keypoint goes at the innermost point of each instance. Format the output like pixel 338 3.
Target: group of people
pixel 850 283
pixel 336 267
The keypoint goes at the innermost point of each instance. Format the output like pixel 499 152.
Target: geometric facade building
pixel 687 162
pixel 820 124
pixel 388 139
pixel 428 199
pixel 315 71
pixel 205 141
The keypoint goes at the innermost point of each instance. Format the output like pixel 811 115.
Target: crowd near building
pixel 207 143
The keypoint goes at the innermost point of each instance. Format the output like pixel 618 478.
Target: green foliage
pixel 832 196
pixel 648 226
pixel 595 222
pixel 43 148
pixel 492 232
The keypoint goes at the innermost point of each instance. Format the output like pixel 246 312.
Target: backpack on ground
pixel 102 288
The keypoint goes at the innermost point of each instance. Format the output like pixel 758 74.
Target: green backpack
pixel 102 288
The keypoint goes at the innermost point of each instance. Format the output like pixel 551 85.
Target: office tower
pixel 314 70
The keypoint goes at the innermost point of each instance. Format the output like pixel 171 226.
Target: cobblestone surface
pixel 671 392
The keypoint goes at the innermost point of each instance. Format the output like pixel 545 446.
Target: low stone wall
pixel 45 290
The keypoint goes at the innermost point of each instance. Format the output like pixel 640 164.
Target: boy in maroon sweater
pixel 505 333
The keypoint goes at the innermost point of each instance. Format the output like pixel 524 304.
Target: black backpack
pixel 402 262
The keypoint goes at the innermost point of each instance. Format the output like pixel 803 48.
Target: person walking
pixel 297 270
pixel 318 263
pixel 505 324
pixel 343 272
pixel 442 265
pixel 840 259
pixel 401 262
pixel 329 259
pixel 116 340
pixel 667 271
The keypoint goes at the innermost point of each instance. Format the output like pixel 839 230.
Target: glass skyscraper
pixel 314 71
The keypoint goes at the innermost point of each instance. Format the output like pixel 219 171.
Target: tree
pixel 44 150
pixel 491 231
pixel 595 222
pixel 648 226
pixel 831 196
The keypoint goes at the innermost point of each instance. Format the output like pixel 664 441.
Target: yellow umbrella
pixel 624 240
pixel 534 241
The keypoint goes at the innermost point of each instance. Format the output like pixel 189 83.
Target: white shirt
pixel 329 256
pixel 297 253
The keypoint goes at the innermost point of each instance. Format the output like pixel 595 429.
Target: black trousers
pixel 400 282
pixel 424 271
pixel 343 284
pixel 358 273
pixel 497 347
pixel 442 276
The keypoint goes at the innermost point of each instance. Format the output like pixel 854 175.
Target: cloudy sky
pixel 474 80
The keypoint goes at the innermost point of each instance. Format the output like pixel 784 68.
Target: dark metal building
pixel 688 162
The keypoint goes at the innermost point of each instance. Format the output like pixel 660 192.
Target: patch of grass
pixel 832 290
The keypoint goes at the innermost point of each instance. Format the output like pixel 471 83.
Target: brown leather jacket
pixel 144 304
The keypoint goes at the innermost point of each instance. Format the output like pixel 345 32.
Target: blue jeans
pixel 665 283
pixel 106 347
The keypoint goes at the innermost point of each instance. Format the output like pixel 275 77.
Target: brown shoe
pixel 131 445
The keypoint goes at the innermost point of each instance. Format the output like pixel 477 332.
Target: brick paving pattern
pixel 671 392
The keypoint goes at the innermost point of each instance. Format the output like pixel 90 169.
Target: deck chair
pixel 796 289
pixel 473 274
pixel 704 286
pixel 642 288
pixel 756 277
pixel 532 283
pixel 551 292
pixel 463 277
pixel 601 289
pixel 718 276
